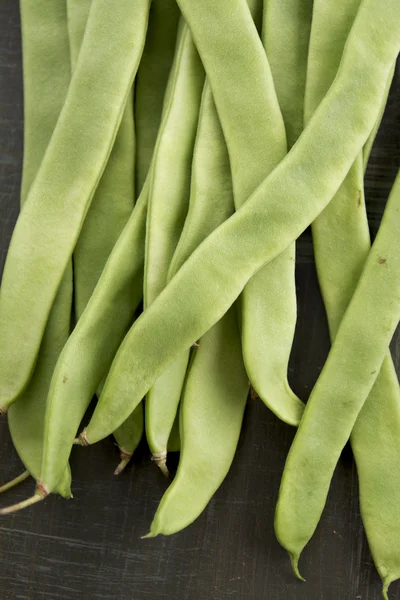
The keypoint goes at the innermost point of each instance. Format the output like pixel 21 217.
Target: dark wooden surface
pixel 90 547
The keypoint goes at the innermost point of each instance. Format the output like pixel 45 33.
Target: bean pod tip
pixel 294 561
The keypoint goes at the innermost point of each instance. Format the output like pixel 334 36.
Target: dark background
pixel 90 547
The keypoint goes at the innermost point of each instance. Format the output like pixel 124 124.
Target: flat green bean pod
pixel 256 143
pixel 207 143
pixel 212 410
pixel 330 30
pixel 211 167
pixel 114 197
pixel 216 388
pixel 279 210
pixel 65 183
pixel 109 212
pixel 168 205
pixel 341 244
pixel 87 356
pixel 46 77
pixel 349 373
pixel 46 72
pixel 286 36
pixel 151 82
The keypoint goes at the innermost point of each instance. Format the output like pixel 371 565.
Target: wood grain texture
pixel 90 547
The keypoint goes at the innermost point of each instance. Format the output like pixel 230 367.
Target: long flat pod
pixel 281 208
pixel 151 82
pixel 216 387
pixel 286 36
pixel 341 245
pixel 87 356
pixel 46 74
pixel 211 417
pixel 256 143
pixel 109 212
pixel 168 205
pixel 349 373
pixel 65 183
pixel 164 397
pixel 113 200
pixel 169 185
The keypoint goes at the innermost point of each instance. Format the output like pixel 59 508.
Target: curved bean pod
pixel 356 355
pixel 46 71
pixel 87 356
pixel 341 244
pixel 113 200
pixel 168 205
pixel 216 386
pixel 281 208
pixel 378 471
pixel 330 30
pixel 109 212
pixel 151 81
pixel 286 35
pixel 256 143
pixel 201 218
pixel 215 392
pixel 64 185
pixel 211 167
pixel 46 77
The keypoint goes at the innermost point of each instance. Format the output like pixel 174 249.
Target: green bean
pixel 377 468
pixel 211 416
pixel 349 373
pixel 151 81
pixel 211 168
pixel 168 204
pixel 109 212
pixel 286 34
pixel 256 143
pixel 62 190
pixel 46 72
pixel 342 243
pixel 113 200
pixel 46 77
pixel 330 30
pixel 216 388
pixel 87 356
pixel 297 191
pixel 193 232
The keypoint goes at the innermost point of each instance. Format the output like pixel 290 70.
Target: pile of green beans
pixel 174 151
